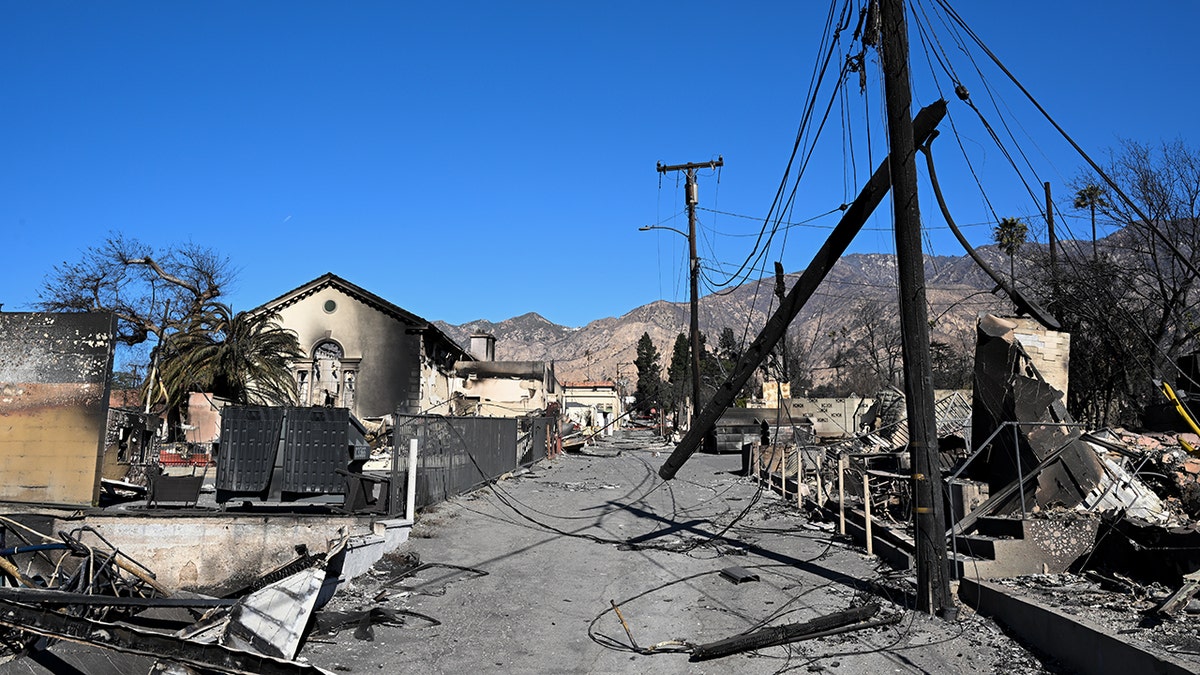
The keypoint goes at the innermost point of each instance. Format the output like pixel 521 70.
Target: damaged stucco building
pixel 364 353
pixel 594 404
pixel 494 388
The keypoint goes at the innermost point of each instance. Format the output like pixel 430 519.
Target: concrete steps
pixel 1009 547
pixel 999 548
pixel 364 550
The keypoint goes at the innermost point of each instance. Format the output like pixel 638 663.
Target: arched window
pixel 326 386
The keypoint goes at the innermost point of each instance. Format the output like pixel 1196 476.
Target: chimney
pixel 483 346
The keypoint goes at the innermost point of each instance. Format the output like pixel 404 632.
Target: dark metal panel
pixel 455 454
pixel 249 441
pixel 535 448
pixel 317 445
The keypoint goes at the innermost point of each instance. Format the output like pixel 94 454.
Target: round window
pixel 330 306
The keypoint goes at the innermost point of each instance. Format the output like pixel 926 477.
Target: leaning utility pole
pixel 692 199
pixel 933 586
pixel 851 222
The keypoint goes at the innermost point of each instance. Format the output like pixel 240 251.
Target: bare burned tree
pixel 1131 309
pixel 1165 184
pixel 152 292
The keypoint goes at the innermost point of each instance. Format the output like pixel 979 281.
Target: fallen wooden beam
pixel 1191 584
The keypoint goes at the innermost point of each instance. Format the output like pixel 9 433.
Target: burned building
pixel 363 352
pixel 503 388
pixel 593 404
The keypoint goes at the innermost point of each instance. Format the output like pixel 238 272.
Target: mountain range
pixel 859 288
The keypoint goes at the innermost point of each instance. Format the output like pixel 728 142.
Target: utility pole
pixel 1050 227
pixel 693 198
pixel 781 293
pixel 933 586
pixel 1053 249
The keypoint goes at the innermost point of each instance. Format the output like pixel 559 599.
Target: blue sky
pixel 482 160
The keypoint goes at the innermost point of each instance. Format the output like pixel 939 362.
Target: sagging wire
pixel 627 542
pixel 1067 137
pixel 1023 303
pixel 677 646
pixel 819 73
pixel 927 38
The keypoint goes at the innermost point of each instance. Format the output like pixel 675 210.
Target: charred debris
pixel 1102 522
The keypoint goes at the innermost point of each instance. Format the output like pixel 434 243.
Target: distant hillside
pixel 605 348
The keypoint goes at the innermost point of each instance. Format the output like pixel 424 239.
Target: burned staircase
pixel 997 548
pixel 1008 547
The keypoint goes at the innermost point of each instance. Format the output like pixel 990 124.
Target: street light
pixel 695 301
pixel 647 228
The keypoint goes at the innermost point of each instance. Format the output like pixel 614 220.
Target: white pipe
pixel 411 507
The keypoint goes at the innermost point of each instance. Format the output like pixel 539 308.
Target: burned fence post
pixel 867 509
pixel 842 495
pixel 800 476
pixel 852 221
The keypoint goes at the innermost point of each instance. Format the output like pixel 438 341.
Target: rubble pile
pixel 1173 468
pixel 106 606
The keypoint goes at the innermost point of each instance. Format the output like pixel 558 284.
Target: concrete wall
pixel 772 391
pixel 54 379
pixel 832 417
pixel 217 552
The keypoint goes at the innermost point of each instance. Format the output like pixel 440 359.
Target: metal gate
pixel 534 444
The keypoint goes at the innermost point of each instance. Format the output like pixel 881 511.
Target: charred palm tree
pixel 1010 236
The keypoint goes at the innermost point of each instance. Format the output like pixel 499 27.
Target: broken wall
pixel 204 418
pixel 1036 433
pixel 54 385
pixel 1049 350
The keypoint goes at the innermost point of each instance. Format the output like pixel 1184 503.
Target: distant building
pixel 493 388
pixel 364 353
pixel 594 404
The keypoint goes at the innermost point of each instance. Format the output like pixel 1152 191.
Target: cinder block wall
pixel 1050 351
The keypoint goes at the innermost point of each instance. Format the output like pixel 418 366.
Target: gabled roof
pixel 331 280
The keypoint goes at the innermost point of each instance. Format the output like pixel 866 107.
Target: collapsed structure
pixel 1028 490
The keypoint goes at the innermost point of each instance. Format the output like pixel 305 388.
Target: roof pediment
pixel 331 280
